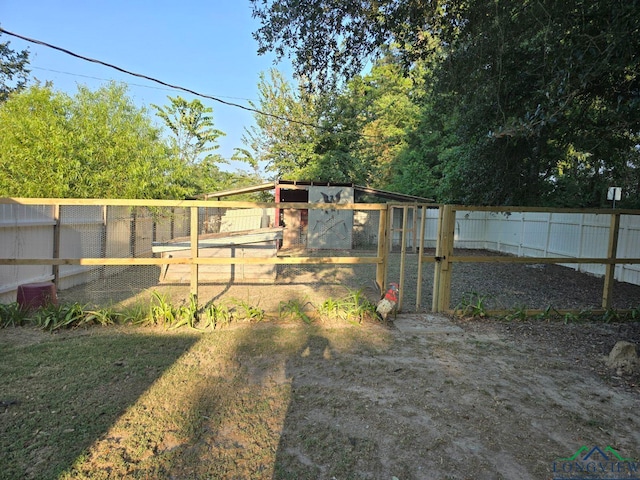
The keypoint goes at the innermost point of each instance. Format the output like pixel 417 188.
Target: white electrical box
pixel 614 193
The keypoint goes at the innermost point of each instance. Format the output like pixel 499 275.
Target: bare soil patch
pixel 460 400
pixel 430 397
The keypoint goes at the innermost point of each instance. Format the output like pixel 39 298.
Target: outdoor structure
pixel 105 251
pixel 321 229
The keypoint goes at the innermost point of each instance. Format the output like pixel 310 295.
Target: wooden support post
pixel 194 251
pixel 610 270
pixel 446 240
pixel 381 268
pixel 103 239
pixel 420 256
pixel 403 255
pixel 390 232
pixel 437 266
pixel 56 243
pixel 414 228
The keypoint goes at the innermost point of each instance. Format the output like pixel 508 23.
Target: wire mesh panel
pixel 26 231
pixel 501 284
pixel 274 252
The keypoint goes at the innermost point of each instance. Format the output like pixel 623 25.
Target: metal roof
pixel 304 185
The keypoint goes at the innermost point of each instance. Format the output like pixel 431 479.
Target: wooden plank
pixel 194 251
pixel 189 203
pixel 542 260
pixel 403 255
pixel 420 257
pixel 57 231
pixel 382 251
pixel 224 239
pixel 437 268
pixel 449 222
pixel 199 260
pixel 612 251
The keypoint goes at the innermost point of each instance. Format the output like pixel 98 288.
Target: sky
pixel 206 46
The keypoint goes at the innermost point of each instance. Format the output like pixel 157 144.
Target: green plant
pixel 53 317
pixel 473 304
pixel 101 316
pixel 634 314
pixel 520 313
pixel 247 311
pixel 354 306
pixel 186 314
pixel 13 315
pixel 610 315
pixel 162 312
pixel 136 314
pixel 358 306
pixel 547 314
pixel 294 308
pixel 330 308
pixel 214 316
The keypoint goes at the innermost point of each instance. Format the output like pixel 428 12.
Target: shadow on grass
pixel 61 393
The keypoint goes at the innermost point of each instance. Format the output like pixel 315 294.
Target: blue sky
pixel 200 45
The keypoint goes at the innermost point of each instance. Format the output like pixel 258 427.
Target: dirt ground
pixel 452 399
pixel 429 397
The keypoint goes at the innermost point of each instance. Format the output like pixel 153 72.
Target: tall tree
pixel 284 137
pixel 531 100
pixel 191 123
pixel 13 70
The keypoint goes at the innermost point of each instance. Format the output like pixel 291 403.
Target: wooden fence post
pixel 194 251
pixel 56 243
pixel 381 268
pixel 403 254
pixel 610 269
pixel 420 256
pixel 444 250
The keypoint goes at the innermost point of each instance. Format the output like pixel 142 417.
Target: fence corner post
pixel 610 269
pixel 194 251
pixel 444 250
pixel 381 266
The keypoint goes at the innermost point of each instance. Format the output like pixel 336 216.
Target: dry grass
pixel 146 403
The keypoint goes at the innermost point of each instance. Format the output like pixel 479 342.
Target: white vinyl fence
pixel 94 231
pixel 538 234
pixel 87 231
pixel 551 234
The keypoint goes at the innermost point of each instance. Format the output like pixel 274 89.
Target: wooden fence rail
pixel 404 222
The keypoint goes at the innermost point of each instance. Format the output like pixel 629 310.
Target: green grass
pixel 147 402
pixel 63 392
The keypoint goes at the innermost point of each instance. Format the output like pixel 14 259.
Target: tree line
pixel 489 102
pixel 99 144
pixel 484 101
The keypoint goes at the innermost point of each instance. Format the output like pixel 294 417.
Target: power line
pixel 126 83
pixel 175 87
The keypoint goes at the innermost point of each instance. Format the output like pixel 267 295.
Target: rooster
pixel 389 302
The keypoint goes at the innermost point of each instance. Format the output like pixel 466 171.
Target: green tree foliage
pixel 13 70
pixel 520 102
pixel 191 124
pixel 192 142
pixel 286 147
pixel 96 144
pixel 328 36
pixel 348 134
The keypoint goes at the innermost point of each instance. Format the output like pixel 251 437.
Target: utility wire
pixel 126 83
pixel 176 87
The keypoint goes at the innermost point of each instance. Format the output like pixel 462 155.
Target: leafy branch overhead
pixel 13 70
pixel 192 126
pixel 519 102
